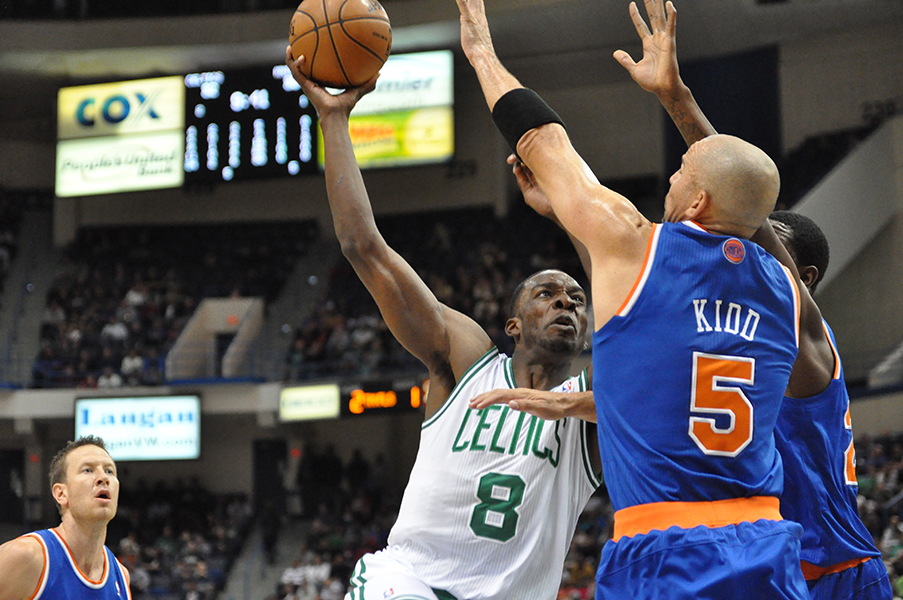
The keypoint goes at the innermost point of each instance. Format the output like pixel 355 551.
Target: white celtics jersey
pixel 494 495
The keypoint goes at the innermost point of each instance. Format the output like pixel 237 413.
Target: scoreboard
pixel 218 126
pixel 247 124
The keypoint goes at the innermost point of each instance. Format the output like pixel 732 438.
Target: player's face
pixel 91 490
pixel 553 313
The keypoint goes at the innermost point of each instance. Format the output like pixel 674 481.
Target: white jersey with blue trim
pixel 495 494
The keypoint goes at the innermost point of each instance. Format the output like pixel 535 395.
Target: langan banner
pixel 143 428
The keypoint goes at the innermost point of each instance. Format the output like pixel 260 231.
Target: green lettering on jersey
pixel 533 421
pixel 517 426
pixel 544 453
pixel 552 456
pixel 493 446
pixel 455 446
pixel 475 444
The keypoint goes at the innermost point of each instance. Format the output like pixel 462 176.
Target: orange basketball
pixel 344 42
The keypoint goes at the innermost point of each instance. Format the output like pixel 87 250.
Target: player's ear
pixel 698 206
pixel 809 275
pixel 60 494
pixel 512 327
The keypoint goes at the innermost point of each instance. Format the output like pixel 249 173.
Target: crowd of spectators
pixel 348 509
pixel 178 542
pixel 125 293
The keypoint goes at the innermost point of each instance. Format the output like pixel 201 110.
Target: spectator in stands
pixel 114 331
pixel 109 379
pixel 892 539
pixel 132 367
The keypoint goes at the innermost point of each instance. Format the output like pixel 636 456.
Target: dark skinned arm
pixel 445 340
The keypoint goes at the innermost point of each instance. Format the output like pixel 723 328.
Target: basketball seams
pixel 313 23
pixel 359 43
pixel 335 48
pixel 356 42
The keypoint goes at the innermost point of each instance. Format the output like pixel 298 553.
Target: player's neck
pixel 85 542
pixel 539 375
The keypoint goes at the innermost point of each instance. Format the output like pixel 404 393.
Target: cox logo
pixel 115 109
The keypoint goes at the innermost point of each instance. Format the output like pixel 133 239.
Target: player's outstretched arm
pixel 613 231
pixel 446 341
pixel 658 72
pixel 547 405
pixel 21 565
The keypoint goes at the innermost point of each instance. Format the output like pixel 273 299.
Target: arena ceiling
pixel 544 42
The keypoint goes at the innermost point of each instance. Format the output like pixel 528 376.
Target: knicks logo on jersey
pixel 733 251
pixel 501 430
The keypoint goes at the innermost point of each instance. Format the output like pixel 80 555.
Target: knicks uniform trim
pixel 644 272
pixel 45 572
pixel 88 582
pixel 659 516
pixel 63 579
pixel 834 351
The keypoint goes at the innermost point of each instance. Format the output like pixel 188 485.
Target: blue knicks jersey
pixel 63 580
pixel 815 437
pixel 689 375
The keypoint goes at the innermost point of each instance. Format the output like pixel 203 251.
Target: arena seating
pixel 178 542
pixel 125 293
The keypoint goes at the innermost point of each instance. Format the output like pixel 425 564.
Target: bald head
pixel 727 185
pixel 741 179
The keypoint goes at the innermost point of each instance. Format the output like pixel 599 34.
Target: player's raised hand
pixel 321 99
pixel 475 35
pixel 657 71
pixel 533 195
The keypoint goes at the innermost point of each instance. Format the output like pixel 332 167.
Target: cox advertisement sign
pixel 121 108
pixel 148 428
pixel 119 137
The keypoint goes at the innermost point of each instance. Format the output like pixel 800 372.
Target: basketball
pixel 344 42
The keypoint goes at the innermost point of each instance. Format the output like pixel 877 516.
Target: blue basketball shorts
pixel 750 560
pixel 866 581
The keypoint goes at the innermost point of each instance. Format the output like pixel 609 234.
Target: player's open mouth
pixel 103 495
pixel 565 322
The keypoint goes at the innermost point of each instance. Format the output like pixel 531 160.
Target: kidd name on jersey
pixel 727 317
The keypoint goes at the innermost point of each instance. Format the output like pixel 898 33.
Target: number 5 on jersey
pixel 712 392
